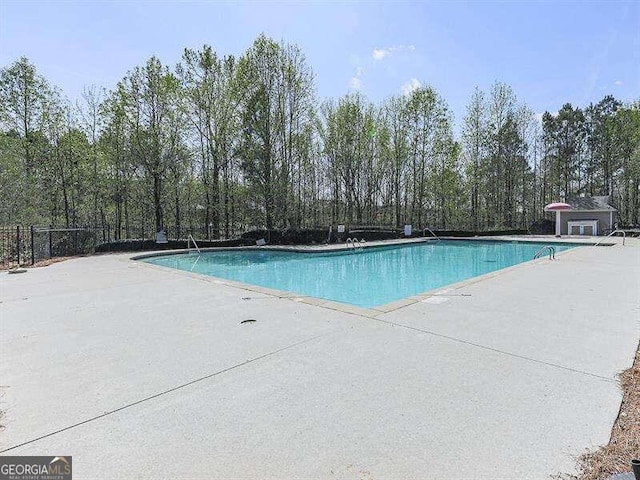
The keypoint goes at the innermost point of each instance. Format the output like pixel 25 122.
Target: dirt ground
pixel 41 263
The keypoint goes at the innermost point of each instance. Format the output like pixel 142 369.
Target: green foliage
pixel 497 149
pixel 274 89
pixel 219 145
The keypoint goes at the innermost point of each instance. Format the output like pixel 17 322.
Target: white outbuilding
pixel 586 216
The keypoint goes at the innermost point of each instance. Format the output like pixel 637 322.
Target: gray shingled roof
pixel 591 203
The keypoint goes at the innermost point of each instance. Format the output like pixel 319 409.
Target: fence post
pixel 18 242
pixel 50 243
pixel 33 253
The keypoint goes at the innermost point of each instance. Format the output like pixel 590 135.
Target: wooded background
pixel 219 145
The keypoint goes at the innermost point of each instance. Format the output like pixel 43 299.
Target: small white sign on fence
pixel 340 228
pixel 407 230
pixel 260 242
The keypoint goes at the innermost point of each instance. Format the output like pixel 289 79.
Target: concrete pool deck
pixel 143 372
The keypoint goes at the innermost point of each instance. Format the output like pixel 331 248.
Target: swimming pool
pixel 367 278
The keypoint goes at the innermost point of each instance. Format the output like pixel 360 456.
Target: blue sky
pixel 550 53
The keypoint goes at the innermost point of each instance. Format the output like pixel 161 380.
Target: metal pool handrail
pixel 624 237
pixel 348 241
pixel 355 243
pixel 552 252
pixel 191 239
pixel 427 229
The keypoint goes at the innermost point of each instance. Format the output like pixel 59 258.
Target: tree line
pixel 219 144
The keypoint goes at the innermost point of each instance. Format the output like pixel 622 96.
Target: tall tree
pixel 349 131
pixel 275 91
pixel 91 123
pixel 149 99
pixel 474 144
pixel 628 134
pixel 25 102
pixel 115 146
pixel 222 145
pixel 430 141
pixel 395 151
pixel 211 106
pixel 600 129
pixel 565 134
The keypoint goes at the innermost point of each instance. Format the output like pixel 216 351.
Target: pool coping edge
pixel 369 312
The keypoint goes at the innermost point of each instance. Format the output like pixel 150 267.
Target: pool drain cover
pixel 249 320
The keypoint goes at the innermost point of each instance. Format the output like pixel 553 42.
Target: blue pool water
pixel 368 278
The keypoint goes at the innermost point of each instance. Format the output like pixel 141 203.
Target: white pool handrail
pixel 427 229
pixel 191 239
pixel 624 237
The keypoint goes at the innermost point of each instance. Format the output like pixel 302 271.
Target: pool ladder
pixel 189 240
pixel 356 245
pixel 543 250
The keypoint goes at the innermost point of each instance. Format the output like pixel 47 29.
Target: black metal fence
pixel 15 246
pixel 28 245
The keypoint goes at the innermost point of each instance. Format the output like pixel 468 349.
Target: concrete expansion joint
pixel 496 350
pixel 165 392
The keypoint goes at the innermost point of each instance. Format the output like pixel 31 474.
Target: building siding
pixel 602 217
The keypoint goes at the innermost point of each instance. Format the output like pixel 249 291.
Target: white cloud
pixel 618 82
pixel 355 83
pixel 381 53
pixel 410 86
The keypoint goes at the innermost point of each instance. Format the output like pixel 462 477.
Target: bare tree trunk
pixel 157 202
